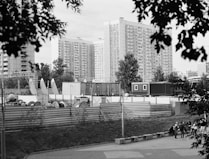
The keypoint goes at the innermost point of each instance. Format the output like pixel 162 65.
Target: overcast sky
pixel 89 25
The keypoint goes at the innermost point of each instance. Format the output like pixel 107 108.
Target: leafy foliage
pixel 202 87
pixel 205 150
pixel 31 22
pixel 159 75
pixel 128 72
pixel 44 73
pixel 59 74
pixel 173 77
pixel 187 88
pixel 183 13
pixel 198 97
pixel 13 82
pixel 68 77
pixel 58 69
pixel 21 143
pixel 177 83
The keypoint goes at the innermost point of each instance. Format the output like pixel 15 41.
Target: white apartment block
pixel 78 55
pixel 123 37
pixel 99 56
pixel 18 66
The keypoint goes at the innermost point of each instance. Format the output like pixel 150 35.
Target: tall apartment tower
pixel 99 56
pixel 123 37
pixel 78 55
pixel 19 66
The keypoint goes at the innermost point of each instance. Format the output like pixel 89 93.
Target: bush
pixel 32 140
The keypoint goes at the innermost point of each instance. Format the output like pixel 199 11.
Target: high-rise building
pixel 18 66
pixel 123 37
pixel 99 56
pixel 78 56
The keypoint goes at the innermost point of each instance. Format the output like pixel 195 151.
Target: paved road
pixel 163 148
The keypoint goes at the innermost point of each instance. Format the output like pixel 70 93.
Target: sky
pixel 89 25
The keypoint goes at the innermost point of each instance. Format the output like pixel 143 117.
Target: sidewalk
pixel 163 148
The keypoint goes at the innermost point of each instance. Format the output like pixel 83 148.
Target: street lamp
pixel 3 146
pixel 122 112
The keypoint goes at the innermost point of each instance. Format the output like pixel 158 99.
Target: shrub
pixel 32 140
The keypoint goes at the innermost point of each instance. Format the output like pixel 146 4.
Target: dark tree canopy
pixel 58 69
pixel 177 83
pixel 29 22
pixel 59 74
pixel 12 83
pixel 128 72
pixel 44 73
pixel 159 75
pixel 68 77
pixel 202 86
pixel 199 97
pixel 194 13
pixel 173 77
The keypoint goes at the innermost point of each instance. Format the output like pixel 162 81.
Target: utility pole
pixel 3 145
pixel 122 115
pixel 121 94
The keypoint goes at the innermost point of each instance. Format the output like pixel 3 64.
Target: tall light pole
pixel 3 146
pixel 122 115
pixel 121 93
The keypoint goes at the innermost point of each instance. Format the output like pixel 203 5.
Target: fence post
pixel 122 114
pixel 3 145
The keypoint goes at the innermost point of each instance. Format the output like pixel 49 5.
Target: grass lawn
pixel 19 144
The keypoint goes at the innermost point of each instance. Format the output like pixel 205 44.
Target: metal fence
pixel 25 117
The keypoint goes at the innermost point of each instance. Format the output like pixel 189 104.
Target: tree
pixel 198 100
pixel 59 73
pixel 10 83
pixel 68 77
pixel 13 82
pixel 202 86
pixel 29 22
pixel 159 75
pixel 58 69
pixel 193 14
pixel 44 73
pixel 128 72
pixel 173 77
pixel 177 83
pixel 187 89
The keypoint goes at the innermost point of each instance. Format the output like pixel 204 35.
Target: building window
pixel 136 88
pixel 144 87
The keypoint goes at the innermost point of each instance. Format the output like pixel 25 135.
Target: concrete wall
pixel 180 108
